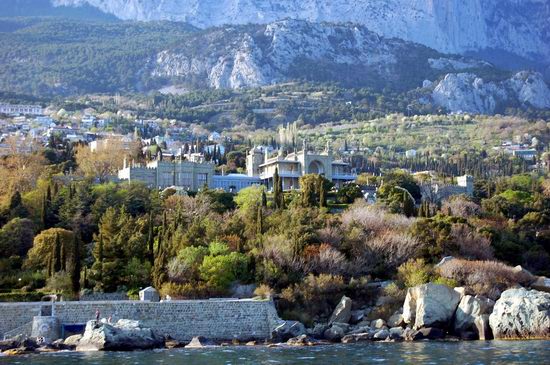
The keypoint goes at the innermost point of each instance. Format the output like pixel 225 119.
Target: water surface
pixel 478 352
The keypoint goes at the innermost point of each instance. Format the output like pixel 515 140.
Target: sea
pixel 474 352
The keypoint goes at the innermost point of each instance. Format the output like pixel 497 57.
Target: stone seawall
pixel 219 319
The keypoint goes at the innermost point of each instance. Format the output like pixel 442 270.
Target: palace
pixel 291 167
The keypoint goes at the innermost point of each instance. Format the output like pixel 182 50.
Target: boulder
pixel 396 333
pixel 8 345
pixel 199 342
pixel 319 330
pixel 524 276
pixel 334 333
pixel 125 335
pixel 396 320
pixel 287 330
pixel 72 340
pixel 521 314
pixel 429 333
pixel 357 316
pixel 357 337
pixel 483 329
pixel 430 305
pixel 469 309
pixel 378 323
pixel 302 340
pixel 342 312
pixel 381 335
pixel 542 283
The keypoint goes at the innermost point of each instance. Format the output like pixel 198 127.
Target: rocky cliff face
pixel 514 27
pixel 251 56
pixel 466 92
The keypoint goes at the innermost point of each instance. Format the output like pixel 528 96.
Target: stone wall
pixel 221 319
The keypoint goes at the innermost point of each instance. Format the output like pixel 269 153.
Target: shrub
pixel 21 297
pixel 471 244
pixel 487 278
pixel 60 283
pixel 461 206
pixel 195 290
pixel 263 291
pixel 414 272
pixel 221 271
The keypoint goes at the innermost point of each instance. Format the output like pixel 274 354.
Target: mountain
pixel 26 8
pixel 510 33
pixel 58 56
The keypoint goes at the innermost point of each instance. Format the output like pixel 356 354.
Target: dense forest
pixel 307 248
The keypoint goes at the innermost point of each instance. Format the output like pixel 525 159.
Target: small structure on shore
pixel 149 294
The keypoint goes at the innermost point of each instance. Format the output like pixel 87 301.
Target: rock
pixel 253 343
pixel 357 316
pixel 342 312
pixel 8 345
pixel 199 342
pixel 287 330
pixel 378 323
pixel 408 334
pixel 468 336
pixel 381 335
pixel 396 320
pixel 344 326
pixel 429 333
pixel 15 352
pixel 396 333
pixel 483 329
pixel 302 340
pixel 334 333
pixel 520 314
pixel 72 340
pixel 469 308
pixel 319 330
pixel 357 337
pixel 173 344
pixel 541 284
pixel 461 290
pixel 430 305
pixel 125 335
pixel 383 300
pixel 60 345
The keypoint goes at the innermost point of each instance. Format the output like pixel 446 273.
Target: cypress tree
pixel 264 199
pixel 260 221
pixel 44 213
pixel 63 256
pixel 322 194
pixel 159 273
pixel 150 241
pixel 76 267
pixel 408 205
pixel 56 254
pixel 276 192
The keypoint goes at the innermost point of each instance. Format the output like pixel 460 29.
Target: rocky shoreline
pixel 430 312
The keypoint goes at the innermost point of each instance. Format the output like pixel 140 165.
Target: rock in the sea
pixel 357 316
pixel 199 342
pixel 483 329
pixel 378 323
pixel 72 340
pixel 302 340
pixel 319 330
pixel 125 335
pixel 357 337
pixel 342 312
pixel 542 283
pixel 334 333
pixel 287 330
pixel 430 305
pixel 469 309
pixel 429 333
pixel 520 314
pixel 396 333
pixel 396 320
pixel 381 335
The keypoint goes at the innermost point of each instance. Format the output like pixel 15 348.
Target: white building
pixel 294 165
pixel 21 109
